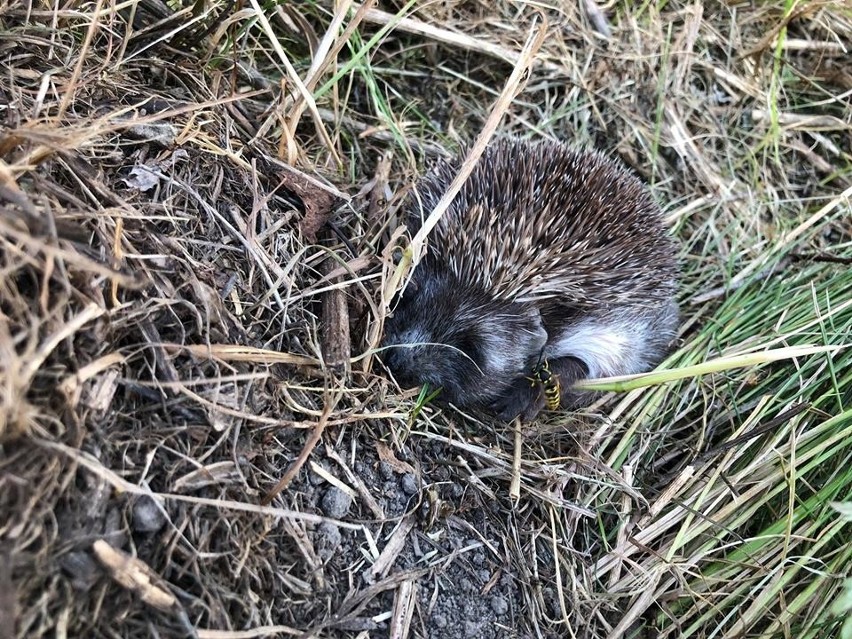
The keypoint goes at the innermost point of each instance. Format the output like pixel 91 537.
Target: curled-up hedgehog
pixel 551 265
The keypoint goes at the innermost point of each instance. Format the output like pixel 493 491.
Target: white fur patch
pixel 498 352
pixel 607 348
pixel 508 348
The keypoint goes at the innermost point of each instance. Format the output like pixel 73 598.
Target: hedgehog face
pixel 464 342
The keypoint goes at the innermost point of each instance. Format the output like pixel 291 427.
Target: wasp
pixel 550 384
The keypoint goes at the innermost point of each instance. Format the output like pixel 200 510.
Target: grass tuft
pixel 199 242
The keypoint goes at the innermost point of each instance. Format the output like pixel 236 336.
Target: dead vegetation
pixel 195 436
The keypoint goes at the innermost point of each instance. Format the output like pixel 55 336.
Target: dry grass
pixel 198 219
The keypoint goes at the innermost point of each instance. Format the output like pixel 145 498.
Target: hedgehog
pixel 550 258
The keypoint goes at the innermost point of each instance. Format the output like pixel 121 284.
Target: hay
pixel 196 247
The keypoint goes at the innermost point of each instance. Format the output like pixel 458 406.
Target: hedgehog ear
pixel 529 333
pixel 538 334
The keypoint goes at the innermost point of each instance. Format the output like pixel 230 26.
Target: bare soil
pixel 183 284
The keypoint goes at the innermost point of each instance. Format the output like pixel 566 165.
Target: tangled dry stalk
pixel 197 236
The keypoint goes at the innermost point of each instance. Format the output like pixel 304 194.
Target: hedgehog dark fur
pixel 547 254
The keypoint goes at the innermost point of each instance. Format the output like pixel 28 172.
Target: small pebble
pixel 147 515
pixel 499 605
pixel 328 540
pixel 409 484
pixel 385 470
pixel 335 502
pixel 83 569
pixel 315 479
pixel 439 620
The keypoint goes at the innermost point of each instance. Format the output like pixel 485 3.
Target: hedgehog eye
pixel 413 286
pixel 469 346
pixel 464 343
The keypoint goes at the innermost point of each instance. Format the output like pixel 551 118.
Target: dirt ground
pixel 196 437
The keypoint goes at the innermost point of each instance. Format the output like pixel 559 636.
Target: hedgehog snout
pixel 400 359
pixel 404 353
